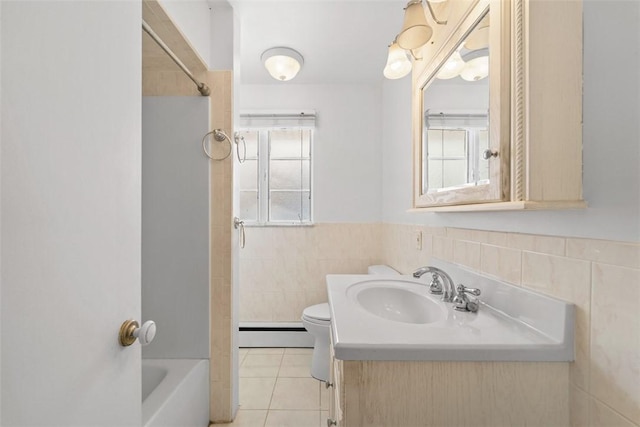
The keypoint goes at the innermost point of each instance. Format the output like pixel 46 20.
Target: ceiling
pixel 342 41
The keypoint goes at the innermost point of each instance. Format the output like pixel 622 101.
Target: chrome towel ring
pixel 220 136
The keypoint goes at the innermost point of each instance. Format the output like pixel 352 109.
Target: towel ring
pixel 219 135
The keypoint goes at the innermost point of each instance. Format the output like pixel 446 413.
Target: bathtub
pixel 175 393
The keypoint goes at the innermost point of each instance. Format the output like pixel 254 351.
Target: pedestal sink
pixel 397 301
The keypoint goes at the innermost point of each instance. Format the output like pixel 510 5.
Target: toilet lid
pixel 318 311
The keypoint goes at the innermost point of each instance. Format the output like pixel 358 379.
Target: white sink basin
pixel 395 318
pixel 397 302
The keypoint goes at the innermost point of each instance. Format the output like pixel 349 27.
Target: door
pixel 70 212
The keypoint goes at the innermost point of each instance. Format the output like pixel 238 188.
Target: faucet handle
pixel 462 302
pixel 473 291
pixel 435 287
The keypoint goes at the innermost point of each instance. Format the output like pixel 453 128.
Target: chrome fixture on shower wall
pixel 220 135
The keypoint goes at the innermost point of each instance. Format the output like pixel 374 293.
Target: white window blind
pixel 275 180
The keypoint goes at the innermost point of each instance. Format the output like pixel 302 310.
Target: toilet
pixel 316 319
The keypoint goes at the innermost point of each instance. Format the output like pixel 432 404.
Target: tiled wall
pixel 282 269
pixel 221 181
pixel 602 278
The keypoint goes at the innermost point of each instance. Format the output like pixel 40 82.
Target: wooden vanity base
pixel 456 394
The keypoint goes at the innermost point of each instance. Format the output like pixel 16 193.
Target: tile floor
pixel 277 390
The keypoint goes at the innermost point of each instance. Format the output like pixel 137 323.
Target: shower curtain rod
pixel 202 88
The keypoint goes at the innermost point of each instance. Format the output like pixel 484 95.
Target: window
pixel 274 182
pixel 455 144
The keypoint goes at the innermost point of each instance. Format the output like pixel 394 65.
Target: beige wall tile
pixel 602 416
pixel 535 243
pixel 569 280
pixel 503 263
pixel 578 407
pixel 467 254
pixel 615 339
pixel 608 252
pixel 283 269
pixel 443 248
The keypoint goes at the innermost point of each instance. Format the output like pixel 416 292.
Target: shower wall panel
pixel 175 226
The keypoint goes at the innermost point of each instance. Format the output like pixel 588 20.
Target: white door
pixel 70 211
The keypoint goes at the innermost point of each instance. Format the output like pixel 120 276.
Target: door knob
pixel 130 330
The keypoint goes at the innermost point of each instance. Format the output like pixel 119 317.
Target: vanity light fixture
pixel 452 68
pixel 398 64
pixel 283 63
pixel 477 65
pixel 415 33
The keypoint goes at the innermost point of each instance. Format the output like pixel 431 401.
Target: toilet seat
pixel 317 313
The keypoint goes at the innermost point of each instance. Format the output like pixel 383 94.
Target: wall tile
pixel 443 248
pixel 615 339
pixel 569 280
pixel 503 263
pixel 604 251
pixel 602 416
pixel 283 269
pixel 467 254
pixel 534 243
pixel 578 407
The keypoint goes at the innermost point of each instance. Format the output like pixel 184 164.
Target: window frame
pixel 263 176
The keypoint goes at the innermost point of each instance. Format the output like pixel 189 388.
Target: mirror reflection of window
pixel 456 124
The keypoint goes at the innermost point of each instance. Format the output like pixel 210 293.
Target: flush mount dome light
pixel 282 63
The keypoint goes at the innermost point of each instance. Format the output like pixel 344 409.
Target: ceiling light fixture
pixel 283 63
pixel 398 64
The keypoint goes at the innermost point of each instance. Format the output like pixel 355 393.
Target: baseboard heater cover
pixel 274 334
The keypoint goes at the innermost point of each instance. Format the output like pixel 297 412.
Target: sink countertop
pixel 491 334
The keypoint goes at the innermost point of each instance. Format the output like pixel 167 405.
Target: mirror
pixel 461 112
pixel 455 116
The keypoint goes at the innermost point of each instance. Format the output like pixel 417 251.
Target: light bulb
pixel 476 69
pixel 454 65
pixel 398 65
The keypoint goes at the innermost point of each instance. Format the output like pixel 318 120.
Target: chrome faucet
pixel 436 286
pixel 462 302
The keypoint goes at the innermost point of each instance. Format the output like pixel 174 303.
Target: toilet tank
pixel 381 269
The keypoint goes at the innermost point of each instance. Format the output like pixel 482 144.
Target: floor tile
pixel 295 372
pixel 262 360
pixel 296 360
pixel 293 419
pixel 259 371
pixel 294 350
pixel 266 350
pixel 248 418
pixel 255 393
pixel 296 393
pixel 241 354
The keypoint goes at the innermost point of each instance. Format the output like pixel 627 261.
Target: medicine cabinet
pixel 497 108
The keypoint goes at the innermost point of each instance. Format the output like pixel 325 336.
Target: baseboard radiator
pixel 274 334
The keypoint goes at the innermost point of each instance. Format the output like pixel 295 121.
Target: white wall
pixel 611 149
pixel 347 174
pixel 193 18
pixel 222 36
